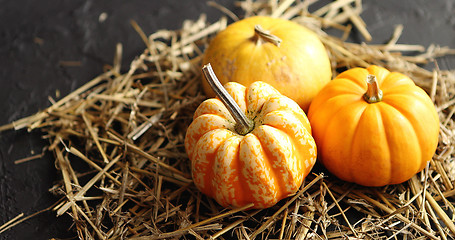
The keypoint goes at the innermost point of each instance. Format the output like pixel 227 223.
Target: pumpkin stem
pixel 373 94
pixel 264 35
pixel 243 124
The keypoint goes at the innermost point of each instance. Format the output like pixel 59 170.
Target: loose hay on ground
pixel 118 144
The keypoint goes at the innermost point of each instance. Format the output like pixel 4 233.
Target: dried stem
pixel 261 35
pixel 373 94
pixel 243 124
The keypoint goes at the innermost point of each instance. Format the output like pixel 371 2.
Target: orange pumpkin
pixel 279 52
pixel 261 165
pixel 374 127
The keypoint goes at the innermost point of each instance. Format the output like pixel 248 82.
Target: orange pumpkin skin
pixel 298 68
pixel 261 167
pixel 374 144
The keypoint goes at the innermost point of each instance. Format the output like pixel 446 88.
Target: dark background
pixel 36 37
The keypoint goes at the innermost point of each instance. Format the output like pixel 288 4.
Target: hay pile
pixel 118 144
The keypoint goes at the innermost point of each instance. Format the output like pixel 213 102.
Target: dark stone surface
pixel 36 36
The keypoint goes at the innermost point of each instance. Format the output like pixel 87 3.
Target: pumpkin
pixel 374 127
pixel 279 52
pixel 260 164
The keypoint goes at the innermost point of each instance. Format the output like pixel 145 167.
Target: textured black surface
pixel 36 36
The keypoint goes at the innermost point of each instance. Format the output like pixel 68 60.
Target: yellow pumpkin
pixel 262 165
pixel 374 127
pixel 279 52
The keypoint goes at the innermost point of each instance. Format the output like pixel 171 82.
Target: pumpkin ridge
pixel 226 179
pixel 351 76
pixel 265 190
pixel 387 166
pixel 242 186
pixel 208 164
pixel 416 92
pixel 390 93
pixel 280 112
pixel 397 80
pixel 195 136
pixel 269 155
pixel 211 173
pixel 290 115
pixel 410 118
pixel 305 170
pixel 242 178
pixel 407 96
pixel 386 132
pixel 401 90
pixel 351 150
pixel 213 106
pixel 350 89
pixel 326 130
